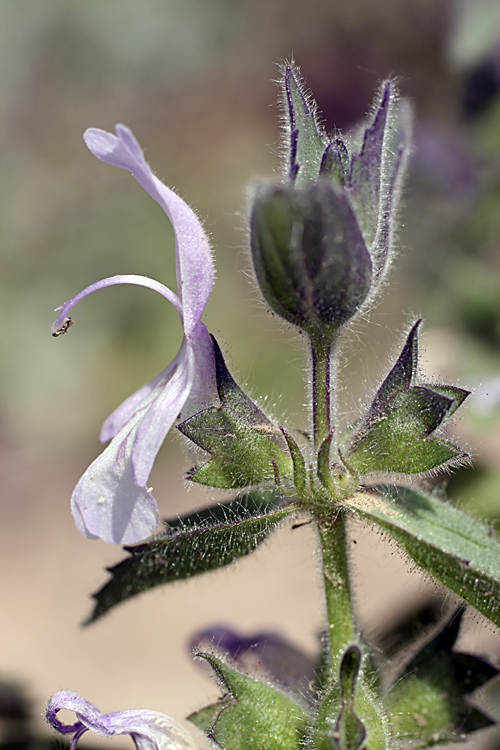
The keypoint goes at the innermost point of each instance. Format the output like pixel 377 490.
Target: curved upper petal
pixel 151 730
pixel 195 272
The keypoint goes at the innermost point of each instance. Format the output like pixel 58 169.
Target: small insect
pixel 67 323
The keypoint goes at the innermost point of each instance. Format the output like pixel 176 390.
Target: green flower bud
pixel 309 255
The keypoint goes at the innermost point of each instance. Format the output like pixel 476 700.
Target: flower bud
pixel 310 258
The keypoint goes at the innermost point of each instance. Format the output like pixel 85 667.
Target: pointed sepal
pixel 458 551
pixel 251 714
pixel 305 140
pixel 401 375
pixel 428 700
pixel 336 162
pixel 298 462
pixel 376 174
pixel 396 434
pixel 244 445
pixel 194 544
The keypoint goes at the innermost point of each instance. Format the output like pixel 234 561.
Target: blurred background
pixel 194 80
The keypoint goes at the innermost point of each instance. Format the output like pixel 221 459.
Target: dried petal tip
pixel 150 730
pixel 67 322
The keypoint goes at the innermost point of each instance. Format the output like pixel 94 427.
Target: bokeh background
pixel 194 80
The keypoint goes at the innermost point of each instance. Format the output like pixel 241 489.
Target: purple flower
pixel 150 730
pixel 111 501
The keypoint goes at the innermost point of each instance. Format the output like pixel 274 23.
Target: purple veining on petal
pixel 150 730
pixel 60 325
pixel 195 273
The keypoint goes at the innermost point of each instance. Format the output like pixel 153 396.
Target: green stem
pixel 341 626
pixel 320 360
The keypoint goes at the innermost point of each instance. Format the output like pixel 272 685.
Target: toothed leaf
pixel 394 434
pixel 193 545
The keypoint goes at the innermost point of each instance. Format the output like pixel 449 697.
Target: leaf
pixel 454 548
pixel 194 544
pixel 349 729
pixel 307 142
pixel 251 715
pixel 244 444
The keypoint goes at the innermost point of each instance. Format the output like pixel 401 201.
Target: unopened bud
pixel 309 255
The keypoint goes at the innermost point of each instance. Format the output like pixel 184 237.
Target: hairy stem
pixel 320 360
pixel 341 627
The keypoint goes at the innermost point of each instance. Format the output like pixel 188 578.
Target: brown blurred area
pixel 193 79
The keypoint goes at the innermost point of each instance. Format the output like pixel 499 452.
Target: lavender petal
pixel 195 272
pixel 150 730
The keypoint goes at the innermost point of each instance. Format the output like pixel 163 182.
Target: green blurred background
pixel 194 80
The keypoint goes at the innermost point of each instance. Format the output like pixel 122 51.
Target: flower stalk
pixel 321 352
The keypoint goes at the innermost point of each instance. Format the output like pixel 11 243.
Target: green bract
pixel 250 714
pixel 244 445
pixel 396 434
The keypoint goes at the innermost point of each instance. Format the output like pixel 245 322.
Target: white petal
pixel 107 503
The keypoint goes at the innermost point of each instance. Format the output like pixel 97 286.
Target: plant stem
pixel 320 360
pixel 341 627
